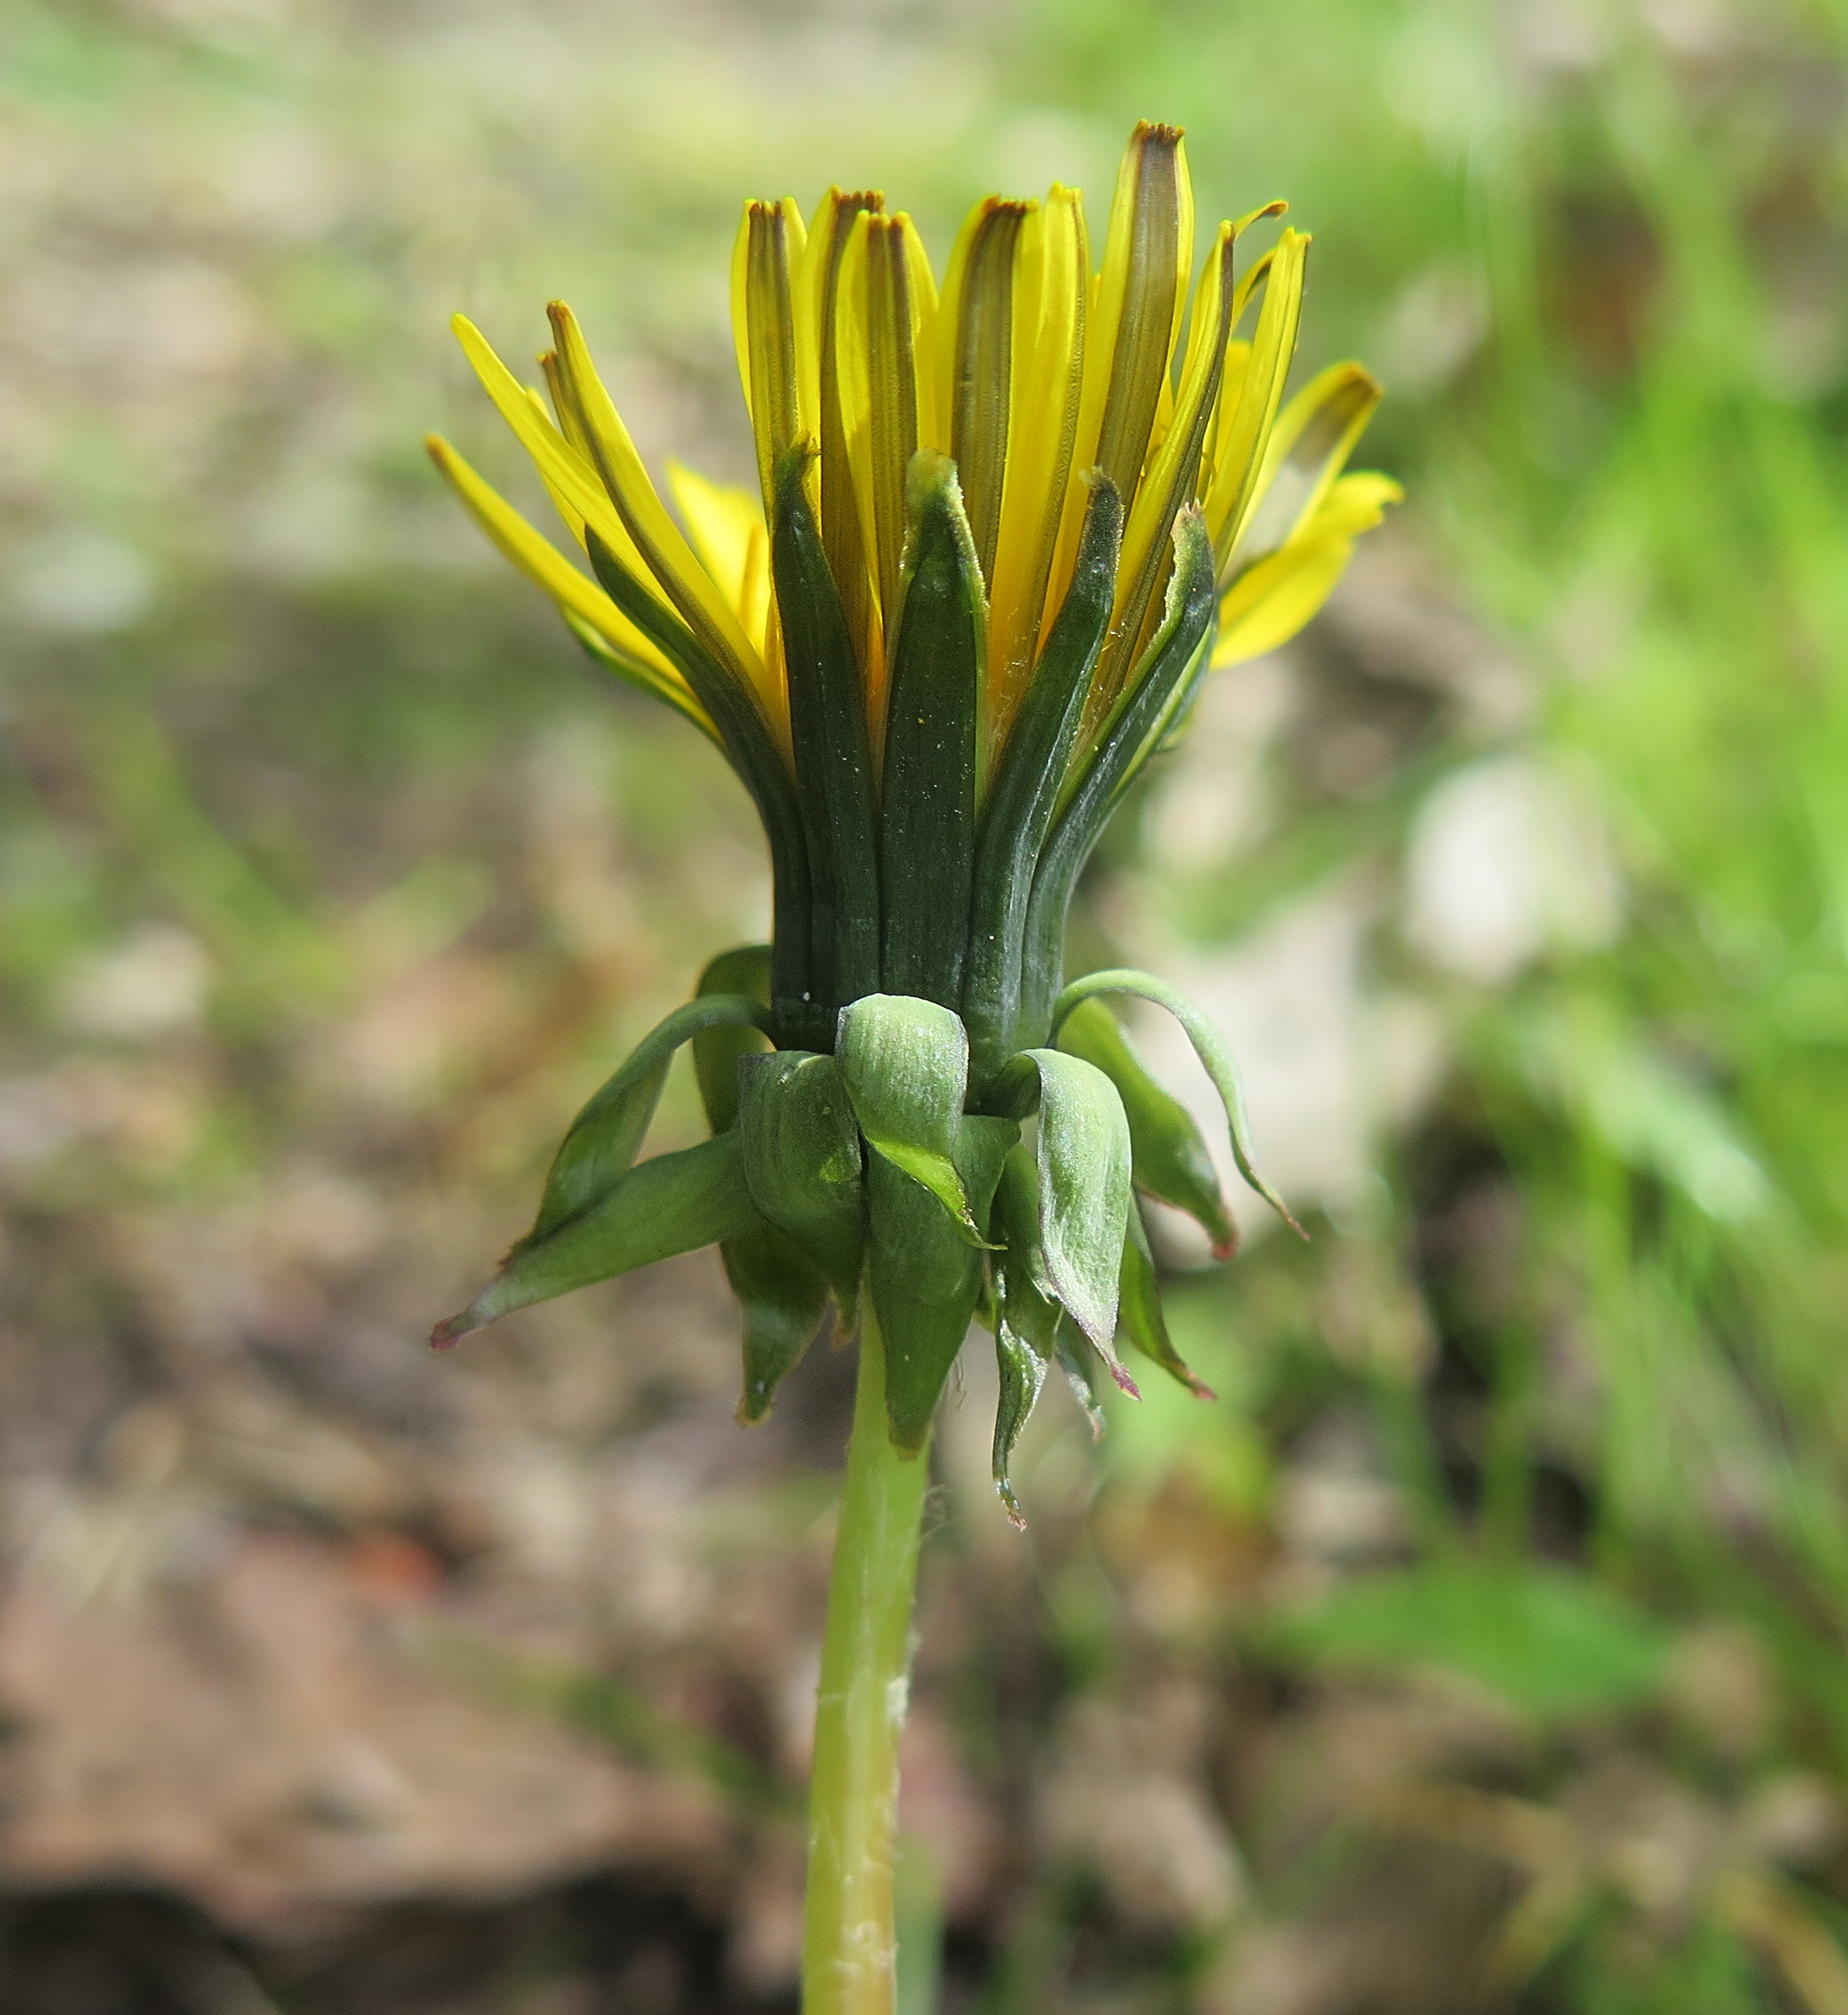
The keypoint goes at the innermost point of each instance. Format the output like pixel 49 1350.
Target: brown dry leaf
pixel 259 1742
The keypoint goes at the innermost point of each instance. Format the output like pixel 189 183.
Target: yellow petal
pixel 561 502
pixel 562 411
pixel 1275 207
pixel 764 265
pixel 1051 285
pixel 726 526
pixel 1173 475
pixel 974 362
pixel 632 672
pixel 1142 294
pixel 924 307
pixel 884 311
pixel 824 351
pixel 1131 321
pixel 671 560
pixel 568 475
pixel 1269 603
pixel 583 601
pixel 1309 447
pixel 1354 505
pixel 1198 325
pixel 1240 440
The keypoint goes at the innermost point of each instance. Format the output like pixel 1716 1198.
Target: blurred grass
pixel 264 686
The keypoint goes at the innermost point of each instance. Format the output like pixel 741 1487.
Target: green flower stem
pixel 850 1947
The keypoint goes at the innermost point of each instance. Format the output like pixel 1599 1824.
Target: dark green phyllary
pixel 1001 538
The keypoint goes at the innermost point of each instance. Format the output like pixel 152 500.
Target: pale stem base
pixel 850 1952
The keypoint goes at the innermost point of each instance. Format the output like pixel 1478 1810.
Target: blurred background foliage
pixel 1483 1647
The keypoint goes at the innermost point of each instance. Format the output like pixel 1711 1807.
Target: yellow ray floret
pixel 1046 379
pixel 727 528
pixel 670 559
pixel 1032 373
pixel 584 604
pixel 1269 603
pixel 1308 448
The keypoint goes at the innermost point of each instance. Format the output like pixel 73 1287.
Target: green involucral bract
pixel 829 734
pixel 927 838
pixel 670 1204
pixel 802 1163
pixel 744 970
pixel 783 1299
pixel 1027 780
pixel 781 1295
pixel 1214 1052
pixel 1140 1308
pixel 906 1064
pixel 1083 1171
pixel 1171 1160
pixel 1027 1319
pixel 925 1277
